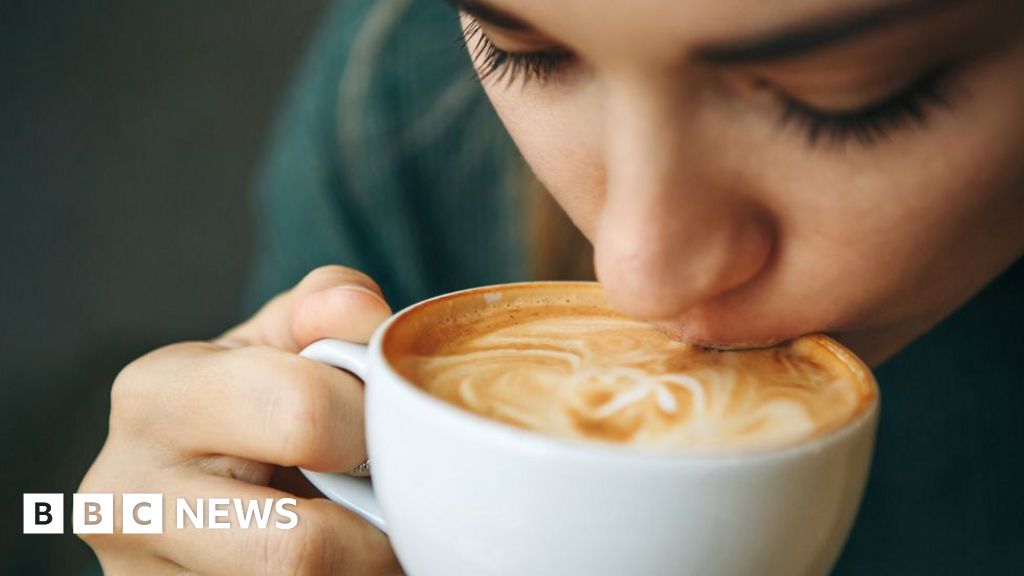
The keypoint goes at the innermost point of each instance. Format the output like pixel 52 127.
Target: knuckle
pixel 255 355
pixel 128 391
pixel 91 483
pixel 301 411
pixel 133 389
pixel 99 479
pixel 129 374
pixel 304 549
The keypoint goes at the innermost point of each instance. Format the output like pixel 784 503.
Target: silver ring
pixel 361 470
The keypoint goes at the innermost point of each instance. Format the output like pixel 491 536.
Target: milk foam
pixel 600 376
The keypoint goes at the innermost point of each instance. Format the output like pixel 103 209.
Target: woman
pixel 745 172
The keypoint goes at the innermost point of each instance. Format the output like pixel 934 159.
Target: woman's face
pixel 752 171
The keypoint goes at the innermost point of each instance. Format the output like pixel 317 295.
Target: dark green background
pixel 130 131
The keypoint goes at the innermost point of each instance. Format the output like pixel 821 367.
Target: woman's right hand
pixel 228 418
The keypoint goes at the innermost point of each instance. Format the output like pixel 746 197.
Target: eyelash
pixel 497 64
pixel 911 107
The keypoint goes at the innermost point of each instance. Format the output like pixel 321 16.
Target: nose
pixel 673 233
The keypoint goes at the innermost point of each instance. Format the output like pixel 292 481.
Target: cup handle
pixel 353 493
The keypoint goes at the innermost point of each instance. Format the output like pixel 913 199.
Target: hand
pixel 220 419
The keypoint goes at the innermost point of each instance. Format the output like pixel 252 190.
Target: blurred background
pixel 130 131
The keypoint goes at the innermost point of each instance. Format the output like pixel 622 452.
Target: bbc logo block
pixel 43 514
pixel 144 513
pixel 92 514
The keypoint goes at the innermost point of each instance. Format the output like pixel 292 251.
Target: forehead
pixel 671 26
pixel 689 17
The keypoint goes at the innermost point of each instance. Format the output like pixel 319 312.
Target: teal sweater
pixel 412 185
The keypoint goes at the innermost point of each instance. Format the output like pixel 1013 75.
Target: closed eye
pixel 910 107
pixel 494 63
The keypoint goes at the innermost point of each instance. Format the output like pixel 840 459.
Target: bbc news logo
pixel 144 513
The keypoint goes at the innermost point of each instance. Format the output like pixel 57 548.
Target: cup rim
pixel 526 439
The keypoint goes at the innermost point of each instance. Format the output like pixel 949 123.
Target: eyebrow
pixel 809 37
pixel 789 43
pixel 491 15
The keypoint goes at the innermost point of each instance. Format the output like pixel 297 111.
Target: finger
pixel 326 538
pixel 347 313
pixel 117 564
pixel 255 402
pixel 330 302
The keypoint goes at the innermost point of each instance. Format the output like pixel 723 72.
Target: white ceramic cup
pixel 460 494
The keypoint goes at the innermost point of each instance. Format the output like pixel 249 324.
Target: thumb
pixel 330 302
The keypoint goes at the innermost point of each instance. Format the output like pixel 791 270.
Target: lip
pixel 673 331
pixel 695 334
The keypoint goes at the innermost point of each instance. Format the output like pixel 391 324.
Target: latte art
pixel 586 372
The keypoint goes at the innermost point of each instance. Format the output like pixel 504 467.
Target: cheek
pixel 916 225
pixel 558 130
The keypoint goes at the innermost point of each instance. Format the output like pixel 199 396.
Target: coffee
pixel 556 359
